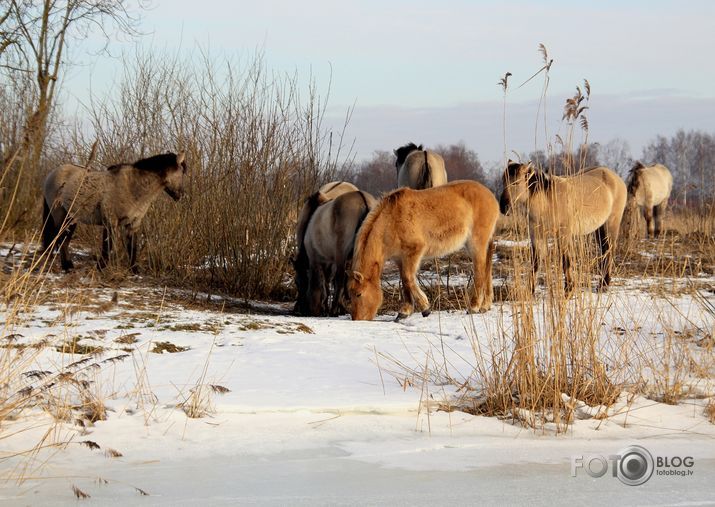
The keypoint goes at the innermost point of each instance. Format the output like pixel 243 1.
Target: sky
pixel 427 71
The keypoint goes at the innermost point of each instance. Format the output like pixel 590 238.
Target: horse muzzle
pixel 174 194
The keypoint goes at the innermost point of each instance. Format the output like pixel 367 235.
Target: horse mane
pixel 362 218
pixel 634 179
pixel 157 164
pixel 538 182
pixel 369 222
pixel 402 152
pixel 425 180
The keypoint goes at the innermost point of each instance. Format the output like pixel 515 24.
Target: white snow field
pixel 322 411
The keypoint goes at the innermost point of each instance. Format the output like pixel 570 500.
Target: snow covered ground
pixel 320 411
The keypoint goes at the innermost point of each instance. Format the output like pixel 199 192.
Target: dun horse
pixel 649 188
pixel 116 199
pixel 409 225
pixel 564 207
pixel 418 168
pixel 329 241
pixel 326 193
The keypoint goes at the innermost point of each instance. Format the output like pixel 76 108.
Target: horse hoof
pixel 401 316
pixel 426 312
pixel 67 266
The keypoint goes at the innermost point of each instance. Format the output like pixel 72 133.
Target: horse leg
pixel 49 228
pixel 316 291
pixel 339 282
pixel 480 250
pixel 604 241
pixel 65 238
pixel 107 244
pixel 658 212
pixel 131 246
pixel 648 215
pixel 534 266
pixel 412 294
pixel 407 306
pixel 565 249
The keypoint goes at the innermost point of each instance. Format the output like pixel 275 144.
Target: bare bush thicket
pixel 255 146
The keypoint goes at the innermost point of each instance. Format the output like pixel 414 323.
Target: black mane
pixel 538 182
pixel 158 164
pixel 402 152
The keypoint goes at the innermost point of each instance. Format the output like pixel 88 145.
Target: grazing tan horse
pixel 409 225
pixel 116 199
pixel 418 168
pixel 564 207
pixel 326 193
pixel 329 241
pixel 649 188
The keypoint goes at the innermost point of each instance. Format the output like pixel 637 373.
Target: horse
pixel 418 168
pixel 329 241
pixel 326 193
pixel 565 207
pixel 649 187
pixel 117 199
pixel 408 225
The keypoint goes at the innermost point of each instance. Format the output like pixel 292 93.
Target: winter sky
pixel 427 71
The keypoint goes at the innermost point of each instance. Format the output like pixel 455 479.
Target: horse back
pixel 330 235
pixel 581 203
pixel 422 169
pixel 442 218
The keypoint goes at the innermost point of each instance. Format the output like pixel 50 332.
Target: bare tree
pixel 36 38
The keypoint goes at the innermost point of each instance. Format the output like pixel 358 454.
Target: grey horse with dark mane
pixel 419 168
pixel 328 242
pixel 565 207
pixel 117 199
pixel 649 188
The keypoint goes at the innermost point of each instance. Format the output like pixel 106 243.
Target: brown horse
pixel 564 207
pixel 649 188
pixel 418 168
pixel 409 225
pixel 329 241
pixel 116 199
pixel 326 193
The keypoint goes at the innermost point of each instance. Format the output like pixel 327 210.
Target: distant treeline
pixel 690 156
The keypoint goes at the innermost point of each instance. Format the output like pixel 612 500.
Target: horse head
pixel 365 295
pixel 515 180
pixel 174 174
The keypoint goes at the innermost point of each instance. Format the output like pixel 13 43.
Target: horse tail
pixel 634 177
pixel 426 175
pixel 49 229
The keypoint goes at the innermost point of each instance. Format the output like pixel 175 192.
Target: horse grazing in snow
pixel 329 241
pixel 409 225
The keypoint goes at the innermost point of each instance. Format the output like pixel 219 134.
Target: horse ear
pixel 394 152
pixel 180 158
pixel 358 276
